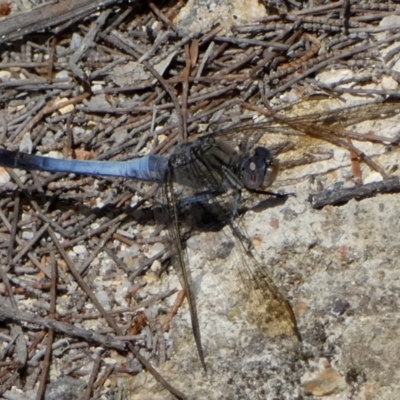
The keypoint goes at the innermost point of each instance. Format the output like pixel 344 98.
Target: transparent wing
pixel 296 138
pixel 266 306
pixel 247 282
pixel 296 133
pixel 172 220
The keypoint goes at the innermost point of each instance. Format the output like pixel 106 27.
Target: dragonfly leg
pixel 267 192
pixel 198 198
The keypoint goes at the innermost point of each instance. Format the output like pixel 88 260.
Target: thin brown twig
pixel 47 15
pixel 13 232
pixel 355 166
pixel 108 371
pixel 185 91
pixel 347 54
pixel 80 332
pixel 87 43
pixel 174 99
pixel 50 334
pixel 70 330
pixel 92 378
pixel 342 196
pixel 174 310
pixel 99 248
pixel 48 109
pixel 30 244
pixel 50 63
pixel 131 309
pixel 161 16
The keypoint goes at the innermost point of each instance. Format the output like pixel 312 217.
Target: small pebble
pixel 327 382
pixel 79 249
pixel 27 235
pixel 103 299
pixel 66 109
pixel 4 177
pixel 5 76
pixel 62 74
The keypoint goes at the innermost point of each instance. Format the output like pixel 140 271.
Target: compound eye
pixel 255 168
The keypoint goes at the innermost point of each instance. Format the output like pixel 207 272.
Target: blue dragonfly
pixel 211 171
pixel 214 171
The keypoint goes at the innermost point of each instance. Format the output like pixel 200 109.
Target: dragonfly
pixel 214 171
pixel 208 170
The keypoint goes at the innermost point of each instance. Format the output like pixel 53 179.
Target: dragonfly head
pixel 259 170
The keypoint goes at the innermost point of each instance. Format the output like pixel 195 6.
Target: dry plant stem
pixel 29 289
pixel 171 93
pixel 6 313
pixel 100 247
pixel 49 109
pixel 50 65
pixel 348 54
pixel 342 196
pixel 143 266
pixel 161 16
pixel 185 92
pixel 30 244
pixel 6 281
pixel 342 143
pixel 5 351
pixel 13 232
pixel 50 334
pixel 93 375
pixel 97 304
pixel 21 353
pixel 48 15
pixel 319 9
pixel 87 43
pixel 117 261
pixel 94 232
pixel 131 309
pixel 110 320
pixel 38 339
pixel 38 186
pixel 174 310
pixel 32 258
pixel 355 166
pixel 101 381
pixel 64 233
